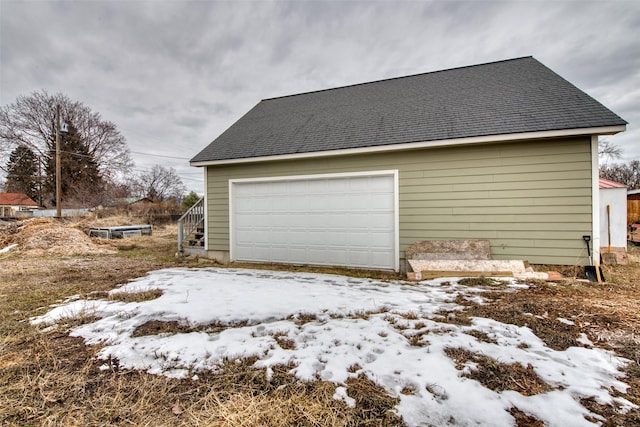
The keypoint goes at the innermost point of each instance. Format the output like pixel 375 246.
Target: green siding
pixel 531 199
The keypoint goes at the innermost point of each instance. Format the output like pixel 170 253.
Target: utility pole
pixel 58 170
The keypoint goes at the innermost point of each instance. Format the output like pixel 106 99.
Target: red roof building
pixel 12 203
pixel 605 183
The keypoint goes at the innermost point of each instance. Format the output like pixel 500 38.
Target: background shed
pixel 614 195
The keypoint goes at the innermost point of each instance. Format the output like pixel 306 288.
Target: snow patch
pixel 8 248
pixel 390 331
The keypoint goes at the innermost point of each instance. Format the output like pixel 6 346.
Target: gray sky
pixel 173 75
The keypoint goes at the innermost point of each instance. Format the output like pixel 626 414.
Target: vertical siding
pixel 531 199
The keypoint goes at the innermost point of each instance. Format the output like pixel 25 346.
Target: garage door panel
pixel 371 221
pixel 328 221
pixel 379 257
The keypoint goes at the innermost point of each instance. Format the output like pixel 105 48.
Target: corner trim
pixel 595 200
pixel 206 211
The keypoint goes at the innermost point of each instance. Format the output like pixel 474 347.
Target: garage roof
pixel 508 97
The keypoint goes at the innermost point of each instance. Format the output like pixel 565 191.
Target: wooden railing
pixel 189 223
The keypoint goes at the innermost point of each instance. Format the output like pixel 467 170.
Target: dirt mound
pixel 46 236
pixel 110 221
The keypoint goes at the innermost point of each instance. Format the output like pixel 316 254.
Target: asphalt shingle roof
pixel 512 96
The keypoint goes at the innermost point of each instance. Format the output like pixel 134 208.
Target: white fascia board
pixel 605 130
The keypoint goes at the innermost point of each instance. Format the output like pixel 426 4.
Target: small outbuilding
pixel 11 204
pixel 613 215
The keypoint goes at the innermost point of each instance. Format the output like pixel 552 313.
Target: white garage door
pixel 347 220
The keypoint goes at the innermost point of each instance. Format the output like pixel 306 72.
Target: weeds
pixel 525 420
pixel 157 327
pixel 481 336
pixel 284 341
pixel 499 376
pixel 138 296
pixel 303 318
pixel 482 281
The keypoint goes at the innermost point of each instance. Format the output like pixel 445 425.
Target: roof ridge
pixel 398 78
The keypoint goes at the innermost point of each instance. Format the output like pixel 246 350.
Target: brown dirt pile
pixel 47 236
pixel 93 220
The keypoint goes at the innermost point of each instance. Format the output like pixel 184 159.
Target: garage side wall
pixel 531 199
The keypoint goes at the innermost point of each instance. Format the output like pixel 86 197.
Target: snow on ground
pixel 337 341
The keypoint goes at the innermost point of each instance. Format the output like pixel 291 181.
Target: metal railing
pixel 189 222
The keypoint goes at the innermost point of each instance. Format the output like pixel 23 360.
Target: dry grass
pixel 284 341
pixel 342 271
pixel 49 378
pixel 67 387
pixel 525 420
pixel 157 327
pixel 140 296
pixel 482 282
pixel 499 376
pixel 303 318
pixel 609 314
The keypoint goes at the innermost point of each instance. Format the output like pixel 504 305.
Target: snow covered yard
pixel 333 328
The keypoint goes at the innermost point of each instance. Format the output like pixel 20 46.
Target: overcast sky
pixel 173 75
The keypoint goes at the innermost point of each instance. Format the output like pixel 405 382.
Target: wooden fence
pixel 633 211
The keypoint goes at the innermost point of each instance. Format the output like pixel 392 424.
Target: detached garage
pixel 353 176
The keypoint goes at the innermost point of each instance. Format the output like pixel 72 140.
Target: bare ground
pixel 49 378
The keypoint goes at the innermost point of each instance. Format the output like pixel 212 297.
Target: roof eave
pixel 602 130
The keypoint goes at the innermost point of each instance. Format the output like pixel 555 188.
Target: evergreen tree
pixel 22 172
pixel 190 199
pixel 81 181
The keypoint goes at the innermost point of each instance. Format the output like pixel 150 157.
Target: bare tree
pixel 160 184
pixel 608 151
pixel 628 174
pixel 30 122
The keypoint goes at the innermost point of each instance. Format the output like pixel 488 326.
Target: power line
pixel 134 152
pixel 160 155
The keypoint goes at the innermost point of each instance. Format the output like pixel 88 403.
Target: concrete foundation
pixel 450 258
pixel 221 257
pixel 472 249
